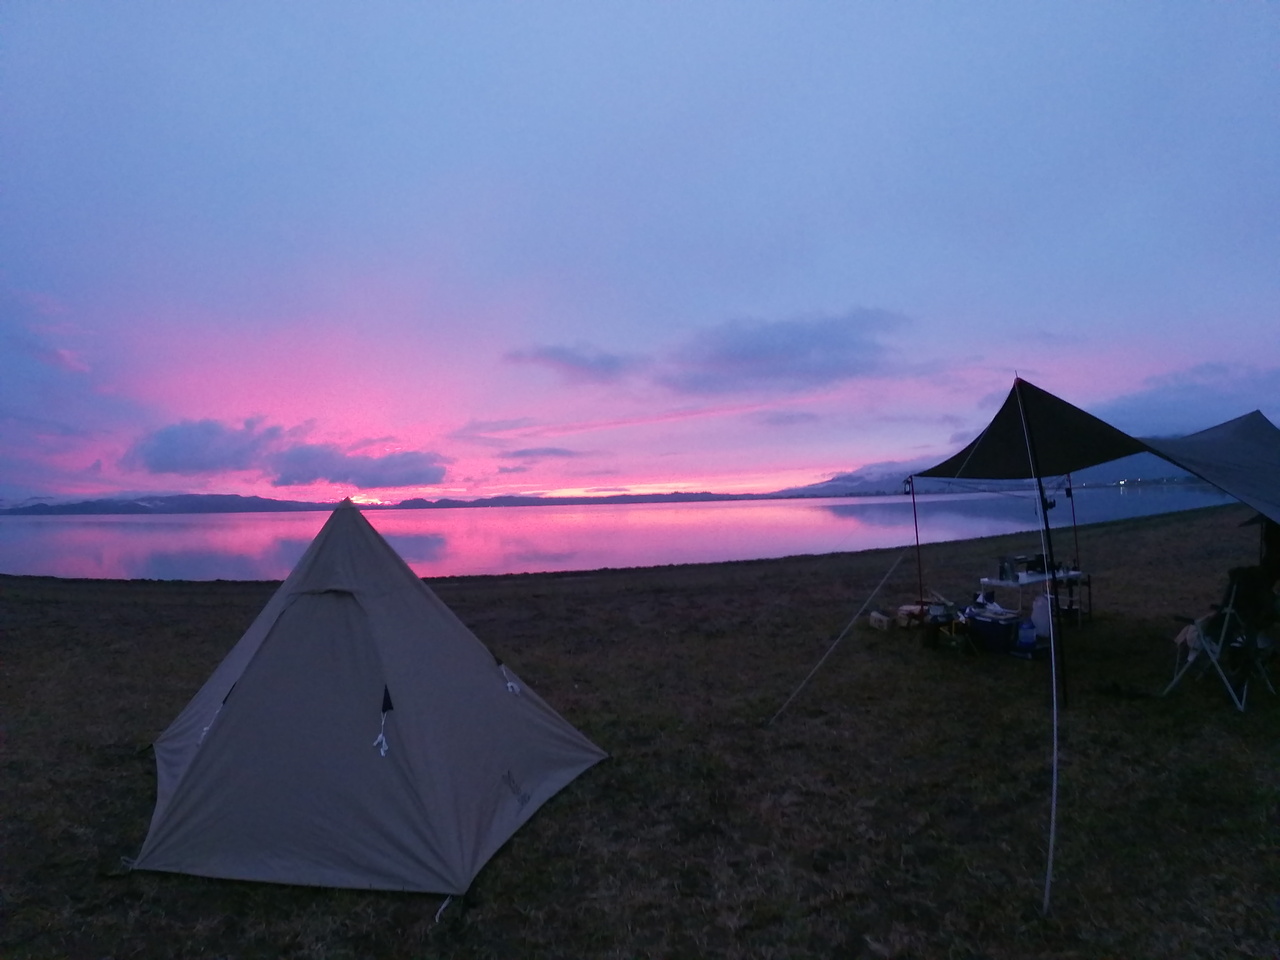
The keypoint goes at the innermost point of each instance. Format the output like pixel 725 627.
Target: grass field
pixel 898 808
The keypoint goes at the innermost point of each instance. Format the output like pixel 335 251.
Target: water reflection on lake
pixel 490 540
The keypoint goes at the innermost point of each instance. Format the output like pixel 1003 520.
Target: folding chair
pixel 1226 636
pixel 1256 605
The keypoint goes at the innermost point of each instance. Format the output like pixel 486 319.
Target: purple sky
pixel 392 250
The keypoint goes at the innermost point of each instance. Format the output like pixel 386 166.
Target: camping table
pixel 1073 580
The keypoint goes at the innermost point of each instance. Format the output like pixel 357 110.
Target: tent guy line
pixel 849 626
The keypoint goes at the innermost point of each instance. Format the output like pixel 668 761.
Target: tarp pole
pixel 915 518
pixel 1075 528
pixel 1056 652
pixel 1047 541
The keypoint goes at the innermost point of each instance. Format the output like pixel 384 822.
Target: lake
pixel 494 540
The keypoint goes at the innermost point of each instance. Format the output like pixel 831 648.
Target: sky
pixel 392 250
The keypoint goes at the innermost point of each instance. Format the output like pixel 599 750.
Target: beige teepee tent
pixel 358 735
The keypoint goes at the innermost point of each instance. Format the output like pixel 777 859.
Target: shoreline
pixel 252 547
pixel 201 504
pixel 1190 516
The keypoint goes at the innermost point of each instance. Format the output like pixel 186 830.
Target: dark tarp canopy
pixel 1035 434
pixel 1240 457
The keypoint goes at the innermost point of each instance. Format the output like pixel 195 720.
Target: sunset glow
pixel 312 252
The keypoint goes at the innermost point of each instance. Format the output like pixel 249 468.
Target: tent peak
pixel 1036 434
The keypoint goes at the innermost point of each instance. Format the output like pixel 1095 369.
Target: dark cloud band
pixel 200 447
pixel 741 356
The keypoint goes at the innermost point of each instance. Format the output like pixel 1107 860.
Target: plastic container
pixel 1026 645
pixel 1040 615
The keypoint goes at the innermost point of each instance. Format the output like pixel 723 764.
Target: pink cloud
pixel 68 360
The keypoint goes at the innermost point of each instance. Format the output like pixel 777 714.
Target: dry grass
pixel 897 809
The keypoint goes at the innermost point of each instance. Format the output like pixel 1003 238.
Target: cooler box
pixel 912 614
pixel 993 632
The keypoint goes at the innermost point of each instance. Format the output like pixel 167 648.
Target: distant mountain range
pixel 174 503
pixel 890 477
pixel 230 503
pixel 872 480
